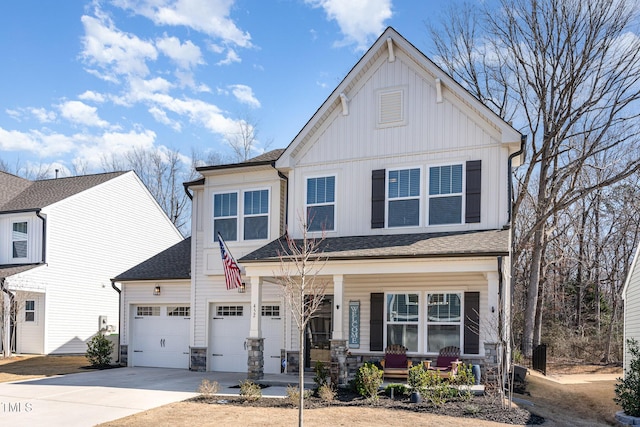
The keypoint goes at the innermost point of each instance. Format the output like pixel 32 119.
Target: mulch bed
pixel 478 407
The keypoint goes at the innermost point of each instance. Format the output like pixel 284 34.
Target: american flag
pixel 231 269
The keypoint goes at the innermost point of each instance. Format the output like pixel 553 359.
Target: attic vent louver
pixel 391 108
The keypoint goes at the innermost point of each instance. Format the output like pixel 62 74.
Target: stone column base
pixel 255 359
pixel 339 372
pixel 198 359
pixel 124 354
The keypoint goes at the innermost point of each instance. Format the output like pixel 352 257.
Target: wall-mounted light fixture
pixel 242 288
pixel 156 290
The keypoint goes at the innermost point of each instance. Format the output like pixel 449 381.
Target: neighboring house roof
pixel 263 159
pixel 39 194
pixel 632 270
pixel 417 245
pixel 11 186
pixel 9 270
pixel 172 263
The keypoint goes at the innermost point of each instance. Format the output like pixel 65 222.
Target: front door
pixel 318 335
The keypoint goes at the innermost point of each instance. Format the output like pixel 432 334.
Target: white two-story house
pixel 406 175
pixel 61 241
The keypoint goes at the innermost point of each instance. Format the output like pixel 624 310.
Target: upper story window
pixel 225 216
pixel 321 202
pixel 256 215
pixel 19 239
pixel 403 193
pixel 445 195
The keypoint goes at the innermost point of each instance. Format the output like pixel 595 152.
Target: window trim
pixel 387 199
pixel 334 203
pixel 26 239
pixel 242 211
pixel 461 194
pixel 30 311
pixel 237 216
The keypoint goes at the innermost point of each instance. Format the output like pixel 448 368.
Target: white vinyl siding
pixel 632 308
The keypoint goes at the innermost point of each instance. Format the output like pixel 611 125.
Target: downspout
pixel 6 338
pixel 44 236
pixel 113 285
pixel 523 139
pixel 186 190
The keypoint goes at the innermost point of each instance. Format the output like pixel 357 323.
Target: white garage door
pixel 161 336
pixel 230 324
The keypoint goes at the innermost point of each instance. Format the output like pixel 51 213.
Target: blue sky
pixel 81 80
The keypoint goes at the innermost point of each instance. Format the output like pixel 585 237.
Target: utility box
pixel 102 324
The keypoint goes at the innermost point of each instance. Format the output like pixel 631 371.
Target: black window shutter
pixel 471 322
pixel 472 202
pixel 377 198
pixel 376 322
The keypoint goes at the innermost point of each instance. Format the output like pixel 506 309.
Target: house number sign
pixel 354 324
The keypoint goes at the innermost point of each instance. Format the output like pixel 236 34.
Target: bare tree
pixel 244 139
pixel 571 71
pixel 303 291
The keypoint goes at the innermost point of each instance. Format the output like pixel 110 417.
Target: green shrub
pixel 437 389
pixel 394 390
pixel 250 391
pixel 628 388
pixel 464 379
pixel 208 388
pixel 368 381
pixel 322 374
pixel 99 350
pixel 417 380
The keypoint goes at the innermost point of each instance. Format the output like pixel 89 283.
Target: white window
pixel 256 215
pixel 321 201
pixel 225 216
pixel 403 198
pixel 148 311
pixel 445 194
pixel 173 311
pixel 30 311
pixel 444 321
pixel 19 239
pixel 402 320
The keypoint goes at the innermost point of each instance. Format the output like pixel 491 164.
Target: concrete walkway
pixel 91 398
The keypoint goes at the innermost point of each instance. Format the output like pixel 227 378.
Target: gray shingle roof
pixel 8 270
pixel 263 159
pixel 39 194
pixel 11 186
pixel 419 245
pixel 172 263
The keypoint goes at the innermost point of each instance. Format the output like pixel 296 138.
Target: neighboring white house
pixel 408 176
pixel 62 240
pixel 631 297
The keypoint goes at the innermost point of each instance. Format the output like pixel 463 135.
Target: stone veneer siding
pixel 255 359
pixel 198 359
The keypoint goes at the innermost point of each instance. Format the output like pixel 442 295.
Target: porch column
pixel 6 338
pixel 255 342
pixel 493 308
pixel 338 307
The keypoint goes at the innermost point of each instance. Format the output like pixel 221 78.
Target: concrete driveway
pixel 91 398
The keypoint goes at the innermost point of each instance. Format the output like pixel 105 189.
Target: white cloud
pixel 359 20
pixel 80 113
pixel 208 16
pixel 90 95
pixel 43 115
pixel 231 57
pixel 161 116
pixel 91 149
pixel 114 51
pixel 245 95
pixel 186 55
pixel 14 114
pixel 39 143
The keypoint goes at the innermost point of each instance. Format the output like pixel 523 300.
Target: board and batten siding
pixel 632 307
pixel 92 237
pixel 141 293
pixel 352 146
pixel 34 238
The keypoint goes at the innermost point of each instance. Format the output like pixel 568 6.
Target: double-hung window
pixel 445 195
pixel 225 216
pixel 256 215
pixel 403 195
pixel 444 321
pixel 321 201
pixel 30 311
pixel 19 239
pixel 403 320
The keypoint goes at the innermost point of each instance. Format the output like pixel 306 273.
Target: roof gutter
pixel 113 285
pixel 523 139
